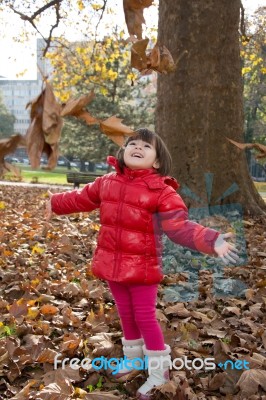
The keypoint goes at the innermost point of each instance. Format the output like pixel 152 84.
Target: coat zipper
pixel 118 232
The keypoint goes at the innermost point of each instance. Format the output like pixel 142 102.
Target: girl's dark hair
pixel 163 155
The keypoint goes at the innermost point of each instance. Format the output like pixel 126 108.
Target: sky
pixel 18 60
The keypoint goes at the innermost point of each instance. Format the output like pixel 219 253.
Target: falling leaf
pixel 44 131
pixel 76 106
pixel 115 130
pixel 138 54
pixel 158 59
pixel 8 146
pixel 258 146
pixel 133 10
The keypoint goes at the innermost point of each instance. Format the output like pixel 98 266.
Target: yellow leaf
pixel 32 312
pixel 96 6
pixel 2 205
pixel 7 253
pixel 80 5
pixel 35 282
pixel 246 70
pixel 80 393
pixel 37 249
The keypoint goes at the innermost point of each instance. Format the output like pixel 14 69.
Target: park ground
pixel 51 303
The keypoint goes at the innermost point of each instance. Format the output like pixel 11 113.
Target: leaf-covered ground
pixel 50 303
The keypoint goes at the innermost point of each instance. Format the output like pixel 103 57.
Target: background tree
pixel 253 54
pixel 202 103
pixel 7 121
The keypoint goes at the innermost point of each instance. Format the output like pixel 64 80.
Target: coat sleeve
pixel 173 217
pixel 84 200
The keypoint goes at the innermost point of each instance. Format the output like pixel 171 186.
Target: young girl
pixel 137 204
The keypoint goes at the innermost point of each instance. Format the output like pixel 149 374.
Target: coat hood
pixel 150 176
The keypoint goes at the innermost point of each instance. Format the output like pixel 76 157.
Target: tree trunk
pixel 201 103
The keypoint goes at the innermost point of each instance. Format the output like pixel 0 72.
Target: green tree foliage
pixel 7 121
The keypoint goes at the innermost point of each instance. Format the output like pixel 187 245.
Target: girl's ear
pixel 156 164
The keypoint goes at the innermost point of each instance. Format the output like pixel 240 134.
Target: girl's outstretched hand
pixel 48 208
pixel 226 251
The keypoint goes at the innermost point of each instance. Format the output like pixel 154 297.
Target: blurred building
pixel 18 93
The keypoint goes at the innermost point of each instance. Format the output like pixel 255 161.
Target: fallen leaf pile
pixel 51 304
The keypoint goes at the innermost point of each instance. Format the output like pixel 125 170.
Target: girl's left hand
pixel 226 251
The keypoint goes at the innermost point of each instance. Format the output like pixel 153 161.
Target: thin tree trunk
pixel 202 102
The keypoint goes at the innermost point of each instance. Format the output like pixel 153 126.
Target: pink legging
pixel 136 306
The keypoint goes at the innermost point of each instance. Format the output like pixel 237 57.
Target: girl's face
pixel 140 155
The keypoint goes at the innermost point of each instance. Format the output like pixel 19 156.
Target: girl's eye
pixel 147 145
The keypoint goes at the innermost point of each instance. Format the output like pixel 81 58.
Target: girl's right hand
pixel 48 208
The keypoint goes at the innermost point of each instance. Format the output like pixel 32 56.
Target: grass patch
pixel 260 186
pixel 44 177
pixel 54 177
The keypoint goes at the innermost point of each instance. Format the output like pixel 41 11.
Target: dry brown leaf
pixel 133 10
pixel 138 54
pixel 160 60
pixel 35 142
pixel 8 146
pixel 102 343
pixel 25 392
pixel 19 308
pixel 47 356
pixel 75 106
pixel 51 120
pixel 89 119
pixel 45 129
pixel 217 381
pixel 258 146
pixel 178 309
pixel 250 381
pixel 55 392
pixel 115 130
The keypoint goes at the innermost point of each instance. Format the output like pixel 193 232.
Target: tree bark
pixel 201 103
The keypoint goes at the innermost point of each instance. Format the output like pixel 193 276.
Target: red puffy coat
pixel 136 207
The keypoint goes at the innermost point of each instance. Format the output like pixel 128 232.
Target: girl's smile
pixel 139 154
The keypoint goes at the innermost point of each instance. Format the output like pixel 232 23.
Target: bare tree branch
pixel 54 3
pixel 96 28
